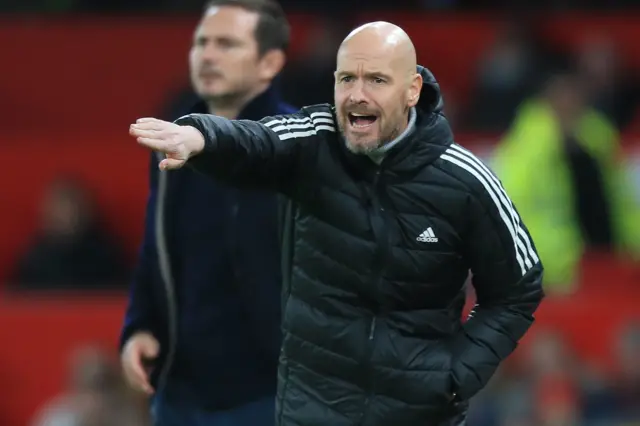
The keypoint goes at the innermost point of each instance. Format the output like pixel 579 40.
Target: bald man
pixel 391 217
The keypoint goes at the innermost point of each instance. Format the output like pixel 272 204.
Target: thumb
pixel 150 349
pixel 171 164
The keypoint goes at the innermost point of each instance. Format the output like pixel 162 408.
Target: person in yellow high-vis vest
pixel 556 157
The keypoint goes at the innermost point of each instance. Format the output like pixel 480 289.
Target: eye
pixel 226 43
pixel 346 79
pixel 378 80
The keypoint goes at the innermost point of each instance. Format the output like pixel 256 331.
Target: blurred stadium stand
pixel 70 87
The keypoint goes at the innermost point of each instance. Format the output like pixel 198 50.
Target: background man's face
pixel 224 57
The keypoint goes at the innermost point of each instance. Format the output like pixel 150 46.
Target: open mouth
pixel 361 121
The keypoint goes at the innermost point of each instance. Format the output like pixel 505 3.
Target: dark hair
pixel 272 30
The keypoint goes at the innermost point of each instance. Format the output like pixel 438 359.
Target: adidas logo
pixel 427 236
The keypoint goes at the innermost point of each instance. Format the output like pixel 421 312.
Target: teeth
pixel 361 125
pixel 358 115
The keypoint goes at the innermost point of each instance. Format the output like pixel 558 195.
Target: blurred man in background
pixel 71 249
pixel 561 162
pixel 96 395
pixel 204 304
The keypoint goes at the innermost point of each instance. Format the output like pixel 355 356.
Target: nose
pixel 357 94
pixel 210 53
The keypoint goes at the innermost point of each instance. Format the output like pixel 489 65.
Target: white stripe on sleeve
pixel 521 242
pixel 289 128
pixel 495 183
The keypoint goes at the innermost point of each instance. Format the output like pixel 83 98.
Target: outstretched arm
pixel 263 154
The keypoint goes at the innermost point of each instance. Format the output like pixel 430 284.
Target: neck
pixel 226 111
pixel 377 155
pixel 230 108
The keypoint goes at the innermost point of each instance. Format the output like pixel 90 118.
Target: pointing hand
pixel 178 143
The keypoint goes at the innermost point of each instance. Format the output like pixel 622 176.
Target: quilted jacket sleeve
pixel 507 277
pixel 265 154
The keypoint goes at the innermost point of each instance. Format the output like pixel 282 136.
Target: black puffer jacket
pixel 381 254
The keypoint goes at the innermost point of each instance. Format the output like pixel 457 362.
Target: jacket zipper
pixel 167 279
pixel 381 235
pixel 369 372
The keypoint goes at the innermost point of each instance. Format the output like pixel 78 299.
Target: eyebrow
pixel 367 74
pixel 200 38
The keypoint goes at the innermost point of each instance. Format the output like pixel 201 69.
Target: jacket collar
pixel 378 154
pixel 430 138
pixel 266 103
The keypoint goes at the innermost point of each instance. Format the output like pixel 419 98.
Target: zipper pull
pixel 372 329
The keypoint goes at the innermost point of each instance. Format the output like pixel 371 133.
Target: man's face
pixel 224 59
pixel 371 98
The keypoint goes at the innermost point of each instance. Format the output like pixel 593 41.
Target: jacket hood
pixel 430 96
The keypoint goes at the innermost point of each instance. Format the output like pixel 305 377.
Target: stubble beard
pixel 367 148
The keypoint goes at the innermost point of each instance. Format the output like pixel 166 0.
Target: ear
pixel 415 86
pixel 271 64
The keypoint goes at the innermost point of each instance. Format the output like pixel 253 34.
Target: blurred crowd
pixel 550 385
pixel 96 395
pixel 559 114
pixel 70 250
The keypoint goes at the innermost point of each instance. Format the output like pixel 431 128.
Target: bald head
pixel 382 39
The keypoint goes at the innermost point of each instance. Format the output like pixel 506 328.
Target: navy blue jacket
pixel 207 283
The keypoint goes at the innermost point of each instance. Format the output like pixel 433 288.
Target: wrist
pixel 195 141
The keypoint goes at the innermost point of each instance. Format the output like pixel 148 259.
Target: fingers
pixel 156 135
pixel 153 134
pixel 152 123
pixel 154 144
pixel 139 347
pixel 147 135
pixel 144 133
pixel 137 375
pixel 149 120
pixel 148 128
pixel 171 164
